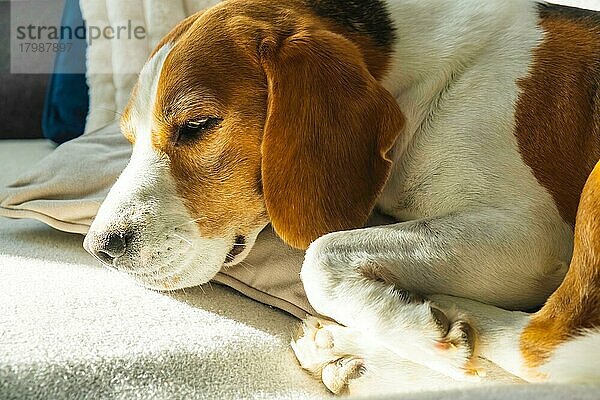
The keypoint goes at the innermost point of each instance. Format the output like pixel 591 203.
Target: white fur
pixel 480 225
pixel 576 360
pixel 323 344
pixel 499 331
pixel 167 248
pixel 145 98
pixel 461 171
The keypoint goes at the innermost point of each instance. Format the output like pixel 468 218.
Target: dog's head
pixel 246 114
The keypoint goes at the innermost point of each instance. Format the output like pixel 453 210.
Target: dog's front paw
pixel 456 350
pixel 329 352
pixel 313 347
pixel 337 375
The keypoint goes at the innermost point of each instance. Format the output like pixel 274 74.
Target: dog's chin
pixel 172 273
pixel 177 281
pixel 196 273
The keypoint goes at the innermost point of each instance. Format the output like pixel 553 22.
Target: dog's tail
pixel 561 342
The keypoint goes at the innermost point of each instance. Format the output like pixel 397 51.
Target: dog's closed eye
pixel 194 130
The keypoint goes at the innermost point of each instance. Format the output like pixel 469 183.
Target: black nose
pixel 106 247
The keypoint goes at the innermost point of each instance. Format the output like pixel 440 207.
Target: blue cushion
pixel 67 99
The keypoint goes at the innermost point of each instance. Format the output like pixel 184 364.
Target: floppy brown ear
pixel 329 128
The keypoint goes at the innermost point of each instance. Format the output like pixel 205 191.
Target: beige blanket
pixel 66 188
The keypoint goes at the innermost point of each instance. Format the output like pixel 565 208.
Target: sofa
pixel 71 329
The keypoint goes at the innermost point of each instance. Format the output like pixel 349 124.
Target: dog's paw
pixel 457 346
pixel 337 375
pixel 313 347
pixel 329 352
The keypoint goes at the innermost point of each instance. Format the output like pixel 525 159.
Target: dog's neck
pixel 439 37
pixel 423 37
pixel 439 40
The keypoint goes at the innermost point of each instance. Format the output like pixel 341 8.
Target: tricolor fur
pixel 476 123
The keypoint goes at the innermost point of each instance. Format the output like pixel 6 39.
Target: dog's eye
pixel 193 130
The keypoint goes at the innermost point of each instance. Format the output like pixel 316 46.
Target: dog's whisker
pixel 184 239
pixel 117 113
pixel 250 265
pixel 245 266
pixel 191 222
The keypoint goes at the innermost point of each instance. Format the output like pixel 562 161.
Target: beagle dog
pixel 476 123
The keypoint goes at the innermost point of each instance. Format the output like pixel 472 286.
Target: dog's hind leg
pixel 562 341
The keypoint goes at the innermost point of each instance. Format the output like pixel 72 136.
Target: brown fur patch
pixel 558 113
pixel 207 75
pixel 215 70
pixel 172 37
pixel 575 306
